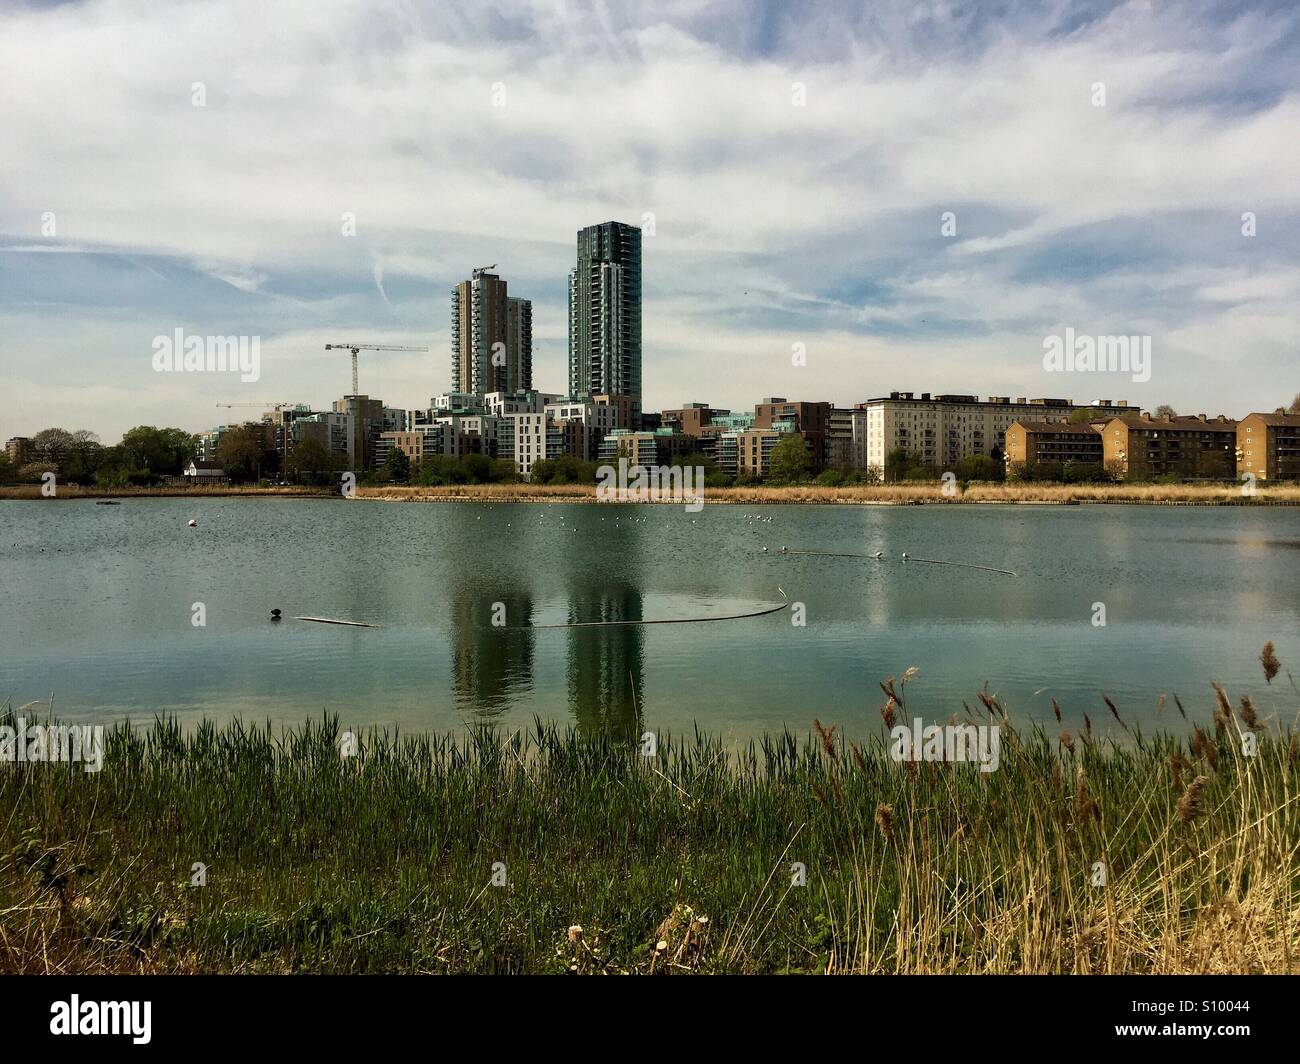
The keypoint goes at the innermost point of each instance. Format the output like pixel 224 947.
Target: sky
pixel 1100 167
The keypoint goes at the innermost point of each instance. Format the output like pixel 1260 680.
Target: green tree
pixel 310 456
pixel 32 472
pixel 1081 416
pixel 397 467
pixel 1164 412
pixel 897 464
pixel 791 459
pixel 53 445
pixel 1295 404
pixel 243 452
pixel 7 471
pixel 977 467
pixel 163 452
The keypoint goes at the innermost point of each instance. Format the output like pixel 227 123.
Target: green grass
pixel 681 862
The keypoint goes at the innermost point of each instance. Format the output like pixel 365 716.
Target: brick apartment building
pixel 1040 442
pixel 809 420
pixel 1144 447
pixel 1268 445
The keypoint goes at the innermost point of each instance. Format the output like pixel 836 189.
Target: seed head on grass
pixel 885 821
pixel 1056 708
pixel 827 736
pixel 1204 747
pixel 1178 765
pixel 1248 715
pixel 1222 708
pixel 1268 659
pixel 1191 806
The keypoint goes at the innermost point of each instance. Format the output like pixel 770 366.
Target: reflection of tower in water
pixel 491 666
pixel 605 664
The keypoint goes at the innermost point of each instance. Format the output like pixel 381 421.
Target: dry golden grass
pixel 881 494
pixel 862 495
pixel 74 491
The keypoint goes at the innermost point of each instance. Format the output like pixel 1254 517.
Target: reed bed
pixel 877 494
pixel 1079 854
pixel 859 494
pixel 77 491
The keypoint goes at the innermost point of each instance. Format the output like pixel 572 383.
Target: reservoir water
pixel 100 605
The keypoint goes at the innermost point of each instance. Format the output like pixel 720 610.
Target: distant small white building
pixel 195 473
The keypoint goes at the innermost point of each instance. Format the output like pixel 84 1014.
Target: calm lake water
pixel 98 602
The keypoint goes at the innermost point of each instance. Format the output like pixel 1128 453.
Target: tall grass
pixel 1078 854
pixel 882 494
pixel 1202 494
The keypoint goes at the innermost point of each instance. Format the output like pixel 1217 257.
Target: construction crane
pixel 480 270
pixel 272 406
pixel 354 348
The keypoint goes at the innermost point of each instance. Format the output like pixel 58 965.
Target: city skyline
pixel 780 177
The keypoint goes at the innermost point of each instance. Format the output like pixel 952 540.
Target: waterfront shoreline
pixel 257 849
pixel 859 495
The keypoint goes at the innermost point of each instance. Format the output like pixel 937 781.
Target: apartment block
pixel 522 438
pixel 1038 442
pixel 605 314
pixel 749 452
pixel 20 450
pixel 626 410
pixel 367 422
pixel 846 438
pixel 491 336
pixel 417 445
pixel 457 403
pixel 577 427
pixel 330 429
pixel 938 430
pixel 809 420
pixel 500 404
pixel 691 418
pixel 1143 447
pixel 1268 445
pixel 660 447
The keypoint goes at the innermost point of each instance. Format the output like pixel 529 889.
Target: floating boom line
pixel 906 558
pixel 663 620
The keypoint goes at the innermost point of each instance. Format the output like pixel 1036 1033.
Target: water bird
pixel 193 523
pixel 879 554
pixel 904 555
pixel 275 615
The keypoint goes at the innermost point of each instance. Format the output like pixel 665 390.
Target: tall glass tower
pixel 605 313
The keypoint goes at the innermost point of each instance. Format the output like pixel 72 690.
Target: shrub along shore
pixel 910 493
pixel 242 848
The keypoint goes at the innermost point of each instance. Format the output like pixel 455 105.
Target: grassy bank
pixel 76 491
pixel 879 494
pixel 680 862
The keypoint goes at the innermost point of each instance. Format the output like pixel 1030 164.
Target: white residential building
pixel 939 430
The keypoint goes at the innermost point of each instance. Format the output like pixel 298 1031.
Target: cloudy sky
pixel 794 162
